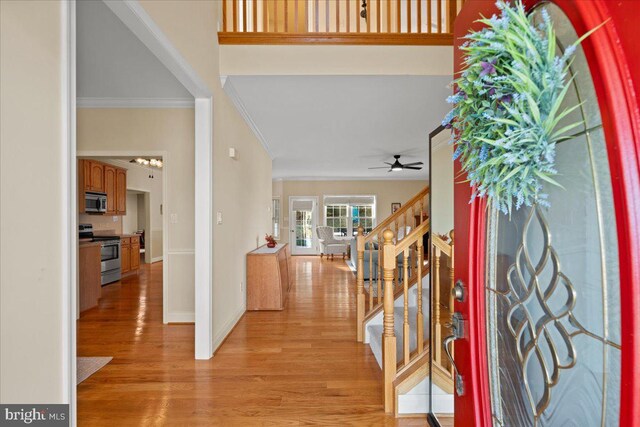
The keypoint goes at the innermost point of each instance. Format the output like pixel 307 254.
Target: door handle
pixel 457 327
pixel 458 291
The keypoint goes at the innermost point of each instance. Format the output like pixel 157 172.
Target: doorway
pixel 138 221
pixel 140 23
pixel 303 220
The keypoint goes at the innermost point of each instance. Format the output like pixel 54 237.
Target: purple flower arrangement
pixel 507 116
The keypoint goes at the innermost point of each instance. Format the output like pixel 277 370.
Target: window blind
pixel 302 205
pixel 349 200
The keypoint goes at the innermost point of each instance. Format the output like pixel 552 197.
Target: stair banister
pixel 360 284
pixel 405 317
pixel 367 242
pixel 437 329
pixel 420 315
pixel 389 365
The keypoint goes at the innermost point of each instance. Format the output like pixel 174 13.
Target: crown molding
pixel 348 178
pixel 89 102
pixel 227 86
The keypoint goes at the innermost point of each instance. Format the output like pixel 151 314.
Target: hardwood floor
pixel 300 366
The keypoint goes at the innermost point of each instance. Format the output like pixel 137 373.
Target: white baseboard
pixel 156 259
pixel 220 336
pixel 181 317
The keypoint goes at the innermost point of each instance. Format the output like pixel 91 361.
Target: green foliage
pixel 507 108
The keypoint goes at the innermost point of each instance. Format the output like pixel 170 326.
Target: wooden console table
pixel 268 277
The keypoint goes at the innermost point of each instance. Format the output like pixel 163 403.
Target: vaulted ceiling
pixel 112 63
pixel 323 127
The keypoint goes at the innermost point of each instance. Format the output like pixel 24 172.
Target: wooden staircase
pixel 392 296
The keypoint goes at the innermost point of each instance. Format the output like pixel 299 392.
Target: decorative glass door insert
pixel 552 284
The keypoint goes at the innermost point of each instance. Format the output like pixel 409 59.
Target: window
pixel 336 217
pixel 362 215
pixel 275 218
pixel 345 213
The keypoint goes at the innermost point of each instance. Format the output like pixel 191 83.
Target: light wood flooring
pixel 300 366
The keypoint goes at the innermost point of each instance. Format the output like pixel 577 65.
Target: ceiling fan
pixel 397 166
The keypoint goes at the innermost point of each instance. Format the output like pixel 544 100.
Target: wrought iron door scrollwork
pixel 531 318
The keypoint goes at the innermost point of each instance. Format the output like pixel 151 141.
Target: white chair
pixel 402 232
pixel 329 245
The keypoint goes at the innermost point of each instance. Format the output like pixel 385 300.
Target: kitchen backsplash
pixel 103 224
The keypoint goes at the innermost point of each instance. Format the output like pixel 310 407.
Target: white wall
pixel 32 155
pixel 442 184
pixel 142 212
pixel 172 131
pixel 242 187
pixel 130 220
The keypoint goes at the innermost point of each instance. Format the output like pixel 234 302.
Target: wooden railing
pixel 400 22
pixel 442 303
pixel 391 251
pixel 405 219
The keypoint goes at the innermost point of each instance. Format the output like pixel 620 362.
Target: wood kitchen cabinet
pixel 121 192
pixel 268 277
pixel 135 252
pixel 129 254
pixel 85 169
pixel 95 176
pixel 90 288
pixel 110 188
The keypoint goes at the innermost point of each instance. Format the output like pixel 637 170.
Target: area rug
pixel 87 366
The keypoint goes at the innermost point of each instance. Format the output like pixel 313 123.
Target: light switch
pixel 233 153
pixel 173 218
pixel 115 219
pixel 219 217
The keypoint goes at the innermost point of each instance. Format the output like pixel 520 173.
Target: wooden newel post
pixel 360 285
pixel 388 336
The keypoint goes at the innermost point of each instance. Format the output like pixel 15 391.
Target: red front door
pixel 552 313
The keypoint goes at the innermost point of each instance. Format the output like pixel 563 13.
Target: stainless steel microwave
pixel 95 202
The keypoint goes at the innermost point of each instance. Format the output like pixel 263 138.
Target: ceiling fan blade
pixel 381 167
pixel 387 163
pixel 411 167
pixel 414 164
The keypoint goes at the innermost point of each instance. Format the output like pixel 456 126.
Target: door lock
pixel 458 291
pixel 457 329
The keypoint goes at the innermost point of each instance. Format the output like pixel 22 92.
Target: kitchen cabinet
pixel 121 192
pixel 110 188
pixel 90 288
pixel 95 176
pixel 268 277
pixel 125 256
pixel 85 168
pixel 129 254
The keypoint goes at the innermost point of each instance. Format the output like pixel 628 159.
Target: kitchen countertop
pixel 87 244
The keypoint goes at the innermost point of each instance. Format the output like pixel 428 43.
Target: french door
pixel 303 219
pixel 551 301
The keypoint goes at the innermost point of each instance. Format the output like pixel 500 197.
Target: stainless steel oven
pixel 109 253
pixel 110 261
pixel 95 202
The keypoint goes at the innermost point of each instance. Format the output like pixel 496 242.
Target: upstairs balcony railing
pixel 374 22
